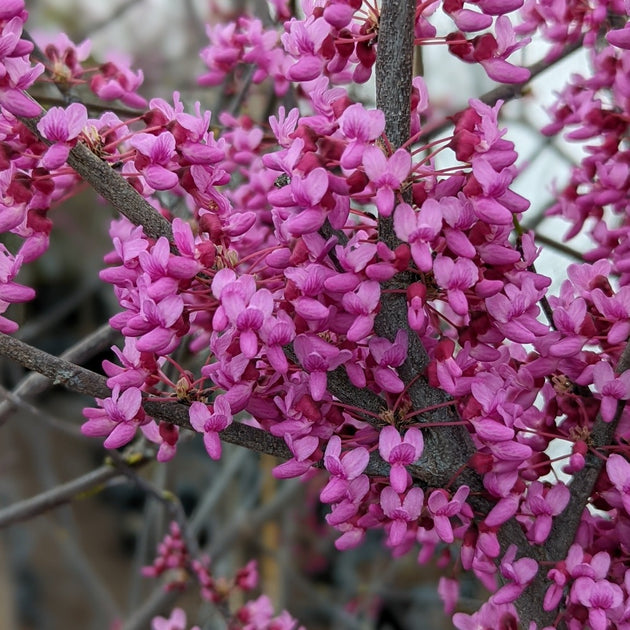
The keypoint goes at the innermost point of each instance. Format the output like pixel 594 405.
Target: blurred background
pixel 78 566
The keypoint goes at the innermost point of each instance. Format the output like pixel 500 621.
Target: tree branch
pixel 81 380
pixel 35 383
pixel 56 496
pixel 113 187
pixel 566 524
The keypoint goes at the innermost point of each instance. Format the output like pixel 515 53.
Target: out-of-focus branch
pixel 57 496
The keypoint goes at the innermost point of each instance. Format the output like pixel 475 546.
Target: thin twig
pixel 57 496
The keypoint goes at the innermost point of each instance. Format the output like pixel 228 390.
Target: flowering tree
pixel 349 305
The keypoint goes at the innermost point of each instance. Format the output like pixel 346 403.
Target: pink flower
pixel 362 304
pixel 303 450
pixel 118 417
pixel 442 510
pixel 318 357
pixel 19 76
pixel 490 615
pixel 620 37
pixel 177 621
pixel 401 513
pixel 386 175
pixel 518 574
pixel 448 590
pixel 515 312
pixel 389 355
pixel 342 469
pixel 156 159
pixel 456 276
pixel 496 65
pixel 618 469
pixel 62 127
pixel 304 193
pixel 10 291
pixel 116 80
pixel 419 229
pixel 242 306
pixel 303 41
pixel 543 506
pixel 165 435
pixel 359 126
pixel 399 453
pixel 599 597
pixel 210 423
pixel 611 387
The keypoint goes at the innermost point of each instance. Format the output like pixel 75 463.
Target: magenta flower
pixel 10 43
pixel 611 387
pixel 517 573
pixel 156 159
pixel 615 309
pixel 386 175
pixel 303 450
pixel 515 312
pixel 306 194
pixel 155 324
pixel 118 417
pixel 448 590
pixel 116 80
pixel 165 435
pixel 388 356
pixel 348 506
pixel 176 621
pixel 277 333
pixel 242 306
pixel 18 76
pixel 618 469
pixel 620 37
pixel 303 41
pixel 360 126
pixel 62 127
pixel 419 229
pixel 10 291
pixel 490 615
pixel 210 423
pixel 400 513
pixel 456 276
pixel 362 304
pixel 399 452
pixel 599 597
pixel 442 510
pixel 543 506
pixel 342 469
pixel 318 357
pixel 495 64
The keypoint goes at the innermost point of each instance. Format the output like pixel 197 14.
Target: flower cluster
pixel 178 566
pixel 278 274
